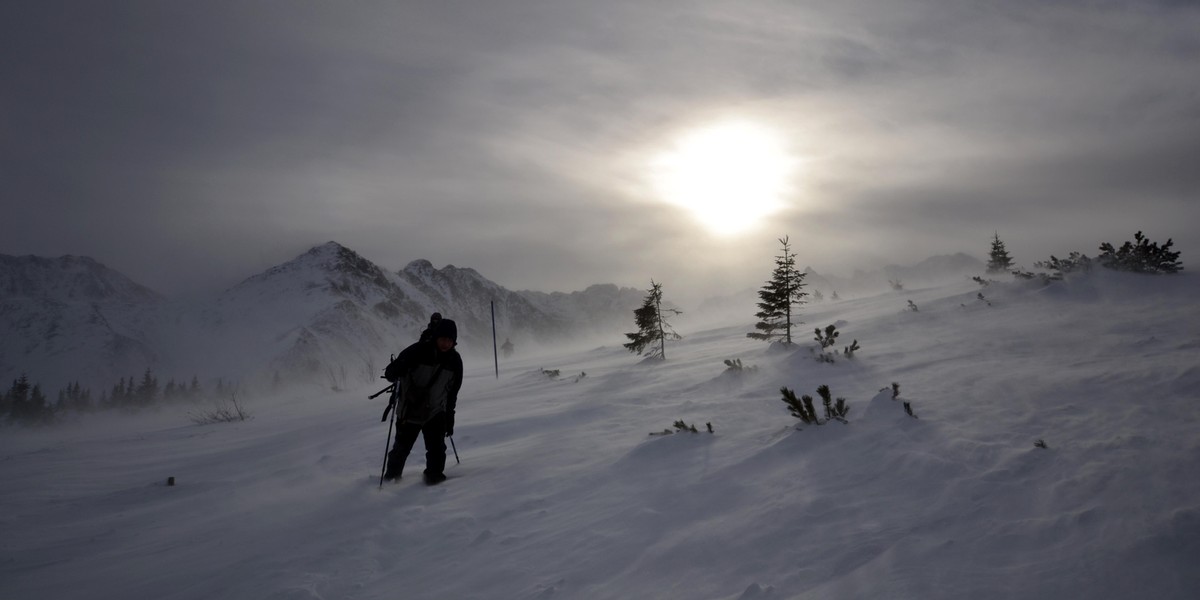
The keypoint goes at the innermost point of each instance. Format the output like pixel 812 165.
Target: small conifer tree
pixel 652 325
pixel 778 297
pixel 998 259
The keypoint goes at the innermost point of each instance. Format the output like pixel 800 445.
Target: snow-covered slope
pixel 562 493
pixel 935 270
pixel 72 319
pixel 328 316
pixel 467 297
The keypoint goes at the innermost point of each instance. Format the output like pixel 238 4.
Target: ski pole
pixel 452 447
pixel 387 445
pixel 386 389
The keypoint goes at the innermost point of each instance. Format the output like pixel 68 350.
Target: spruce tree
pixel 147 390
pixel 777 298
pixel 18 399
pixel 652 325
pixel 40 411
pixel 998 259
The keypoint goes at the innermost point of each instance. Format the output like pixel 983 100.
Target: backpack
pixel 417 406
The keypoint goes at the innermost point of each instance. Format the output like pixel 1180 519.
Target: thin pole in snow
pixel 495 355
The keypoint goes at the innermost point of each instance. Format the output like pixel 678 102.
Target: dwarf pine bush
pixel 834 409
pixel 1140 256
pixel 1073 263
pixel 829 338
pixel 680 426
pixel 735 364
pixel 802 408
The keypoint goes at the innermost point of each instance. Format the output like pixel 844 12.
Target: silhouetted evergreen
pixel 652 325
pixel 998 259
pixel 777 298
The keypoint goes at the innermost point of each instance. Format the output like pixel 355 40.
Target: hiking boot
pixel 434 478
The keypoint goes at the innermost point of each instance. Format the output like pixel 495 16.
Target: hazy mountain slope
pixel 328 317
pixel 466 296
pixel 72 318
pixel 592 310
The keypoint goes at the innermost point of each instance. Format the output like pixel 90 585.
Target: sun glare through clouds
pixel 729 176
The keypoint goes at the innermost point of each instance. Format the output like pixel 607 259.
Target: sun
pixel 730 175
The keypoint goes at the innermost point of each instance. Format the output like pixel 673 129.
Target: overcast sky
pixel 193 144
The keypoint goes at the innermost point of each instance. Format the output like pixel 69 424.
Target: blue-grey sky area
pixel 193 144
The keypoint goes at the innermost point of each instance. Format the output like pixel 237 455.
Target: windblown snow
pixel 562 493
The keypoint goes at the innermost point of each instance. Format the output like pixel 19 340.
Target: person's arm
pixel 403 363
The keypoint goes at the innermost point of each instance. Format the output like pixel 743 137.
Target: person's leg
pixel 434 433
pixel 406 436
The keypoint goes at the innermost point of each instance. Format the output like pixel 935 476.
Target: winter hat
pixel 445 328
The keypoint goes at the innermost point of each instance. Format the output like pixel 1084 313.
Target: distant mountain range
pixel 329 317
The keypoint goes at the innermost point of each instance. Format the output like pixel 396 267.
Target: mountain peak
pixel 69 278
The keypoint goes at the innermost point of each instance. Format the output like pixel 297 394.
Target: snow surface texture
pixel 563 494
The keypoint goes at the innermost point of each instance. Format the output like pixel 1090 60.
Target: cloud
pixel 191 145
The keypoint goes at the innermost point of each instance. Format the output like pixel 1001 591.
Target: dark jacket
pixel 429 381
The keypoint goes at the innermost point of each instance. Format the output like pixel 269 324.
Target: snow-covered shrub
pixel 828 338
pixel 908 410
pixel 681 427
pixel 735 364
pixel 226 411
pixel 551 373
pixel 912 306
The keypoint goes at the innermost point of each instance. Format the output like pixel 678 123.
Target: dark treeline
pixel 25 403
